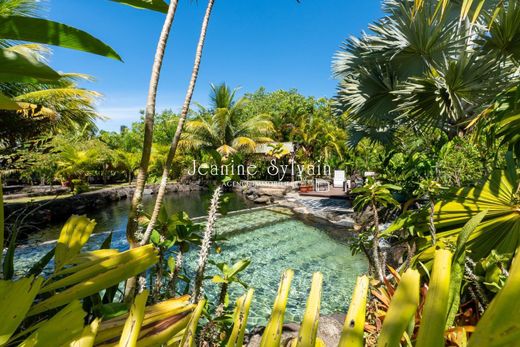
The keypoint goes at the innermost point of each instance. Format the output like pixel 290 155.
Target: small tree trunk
pixel 173 279
pixel 375 245
pixel 432 222
pixel 180 125
pixel 132 226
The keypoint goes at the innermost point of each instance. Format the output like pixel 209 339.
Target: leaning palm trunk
pixel 180 125
pixel 131 228
pixel 206 245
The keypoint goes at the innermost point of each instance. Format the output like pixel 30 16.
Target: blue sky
pixel 278 44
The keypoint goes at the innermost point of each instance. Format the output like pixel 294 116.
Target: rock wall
pixel 51 211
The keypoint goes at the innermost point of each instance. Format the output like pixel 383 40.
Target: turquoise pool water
pixel 272 238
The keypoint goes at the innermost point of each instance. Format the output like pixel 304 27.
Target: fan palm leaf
pixel 500 229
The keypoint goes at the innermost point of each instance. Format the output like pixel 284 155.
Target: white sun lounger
pixel 339 178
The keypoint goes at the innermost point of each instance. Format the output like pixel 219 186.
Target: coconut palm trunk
pixel 180 125
pixel 132 226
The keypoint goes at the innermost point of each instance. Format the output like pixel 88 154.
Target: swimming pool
pixel 272 238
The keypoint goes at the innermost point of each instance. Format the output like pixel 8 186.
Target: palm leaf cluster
pixel 426 66
pixel 224 127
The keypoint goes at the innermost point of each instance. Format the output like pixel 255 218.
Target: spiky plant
pixel 206 245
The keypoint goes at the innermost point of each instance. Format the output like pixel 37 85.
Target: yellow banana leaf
pixel 74 234
pixel 87 281
pixel 499 325
pixel 63 327
pixel 236 338
pixel 431 330
pixel 309 328
pixel 188 339
pixel 273 330
pixel 16 297
pixel 133 324
pixel 401 311
pixel 352 334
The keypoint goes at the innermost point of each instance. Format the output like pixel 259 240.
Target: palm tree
pixel 225 128
pixel 374 195
pixel 180 125
pixel 132 225
pixel 426 68
pixel 22 65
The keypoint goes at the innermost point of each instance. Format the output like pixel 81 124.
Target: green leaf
pixel 16 67
pixel 52 33
pixel 402 308
pixel 499 324
pixel 52 332
pixel 8 104
pixel 309 328
pixel 352 334
pixel 236 338
pixel 134 321
pixel 37 268
pixel 238 267
pixel 273 330
pixel 112 310
pixel 431 331
pixel 188 339
pixel 218 279
pixel 2 226
pixel 16 298
pixel 155 5
pixel 74 234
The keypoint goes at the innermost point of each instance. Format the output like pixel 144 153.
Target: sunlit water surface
pixel 272 238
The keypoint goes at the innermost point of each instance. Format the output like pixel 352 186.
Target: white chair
pixel 339 178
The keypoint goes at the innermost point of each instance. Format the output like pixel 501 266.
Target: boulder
pixel 276 192
pixel 329 330
pixel 263 199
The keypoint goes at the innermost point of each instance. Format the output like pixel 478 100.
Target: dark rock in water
pixel 329 330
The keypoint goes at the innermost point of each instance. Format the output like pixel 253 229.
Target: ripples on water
pixel 272 238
